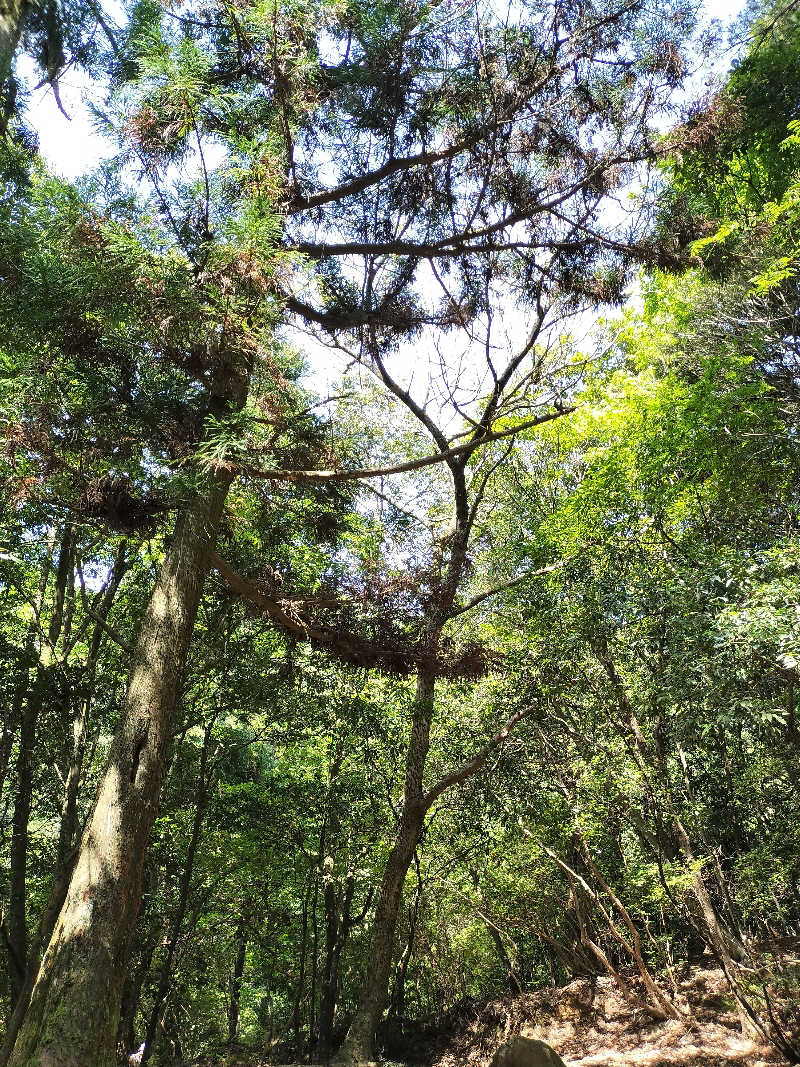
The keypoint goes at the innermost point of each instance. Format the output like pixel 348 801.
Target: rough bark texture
pixel 72 1018
pixel 12 22
pixel 58 893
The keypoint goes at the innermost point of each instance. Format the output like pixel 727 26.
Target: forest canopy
pixel 399 529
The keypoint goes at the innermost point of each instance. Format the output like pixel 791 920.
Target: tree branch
pixel 312 477
pixel 466 770
pixel 347 646
pixel 473 603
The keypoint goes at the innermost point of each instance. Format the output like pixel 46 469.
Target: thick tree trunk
pixel 359 1045
pixel 47 921
pixel 17 914
pixel 74 1009
pixel 13 14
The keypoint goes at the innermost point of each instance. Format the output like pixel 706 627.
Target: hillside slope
pixel 590 1024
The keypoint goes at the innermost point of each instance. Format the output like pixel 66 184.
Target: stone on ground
pixel 526 1052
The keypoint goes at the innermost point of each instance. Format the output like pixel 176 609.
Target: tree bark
pixel 74 1009
pixel 359 1045
pixel 13 14
pixel 58 893
pixel 327 1000
pixel 236 980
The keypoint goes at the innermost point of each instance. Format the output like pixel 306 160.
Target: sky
pixel 74 147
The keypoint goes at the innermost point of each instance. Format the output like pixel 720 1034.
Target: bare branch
pixel 467 770
pixel 479 599
pixel 310 476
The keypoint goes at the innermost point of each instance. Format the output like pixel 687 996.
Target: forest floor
pixel 590 1024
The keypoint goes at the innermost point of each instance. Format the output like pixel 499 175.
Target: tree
pixel 490 148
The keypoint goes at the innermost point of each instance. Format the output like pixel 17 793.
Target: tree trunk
pixel 132 989
pixel 672 838
pixel 13 14
pixel 236 980
pixel 512 977
pixel 495 933
pixel 74 1009
pixel 337 930
pixel 359 1045
pixel 327 1000
pixel 47 921
pixel 301 970
pixel 701 908
pixel 335 924
pixel 42 686
pixel 183 897
pixel 27 661
pixel 69 808
pixel 398 998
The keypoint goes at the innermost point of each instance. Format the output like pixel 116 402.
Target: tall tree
pixel 489 147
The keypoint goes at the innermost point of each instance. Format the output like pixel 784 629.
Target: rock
pixel 526 1052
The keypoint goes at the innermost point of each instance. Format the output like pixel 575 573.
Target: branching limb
pixel 462 609
pixel 467 770
pixel 311 476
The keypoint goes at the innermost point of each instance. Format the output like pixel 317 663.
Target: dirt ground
pixel 590 1024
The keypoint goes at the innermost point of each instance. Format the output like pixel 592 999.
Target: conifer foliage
pixel 399 543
